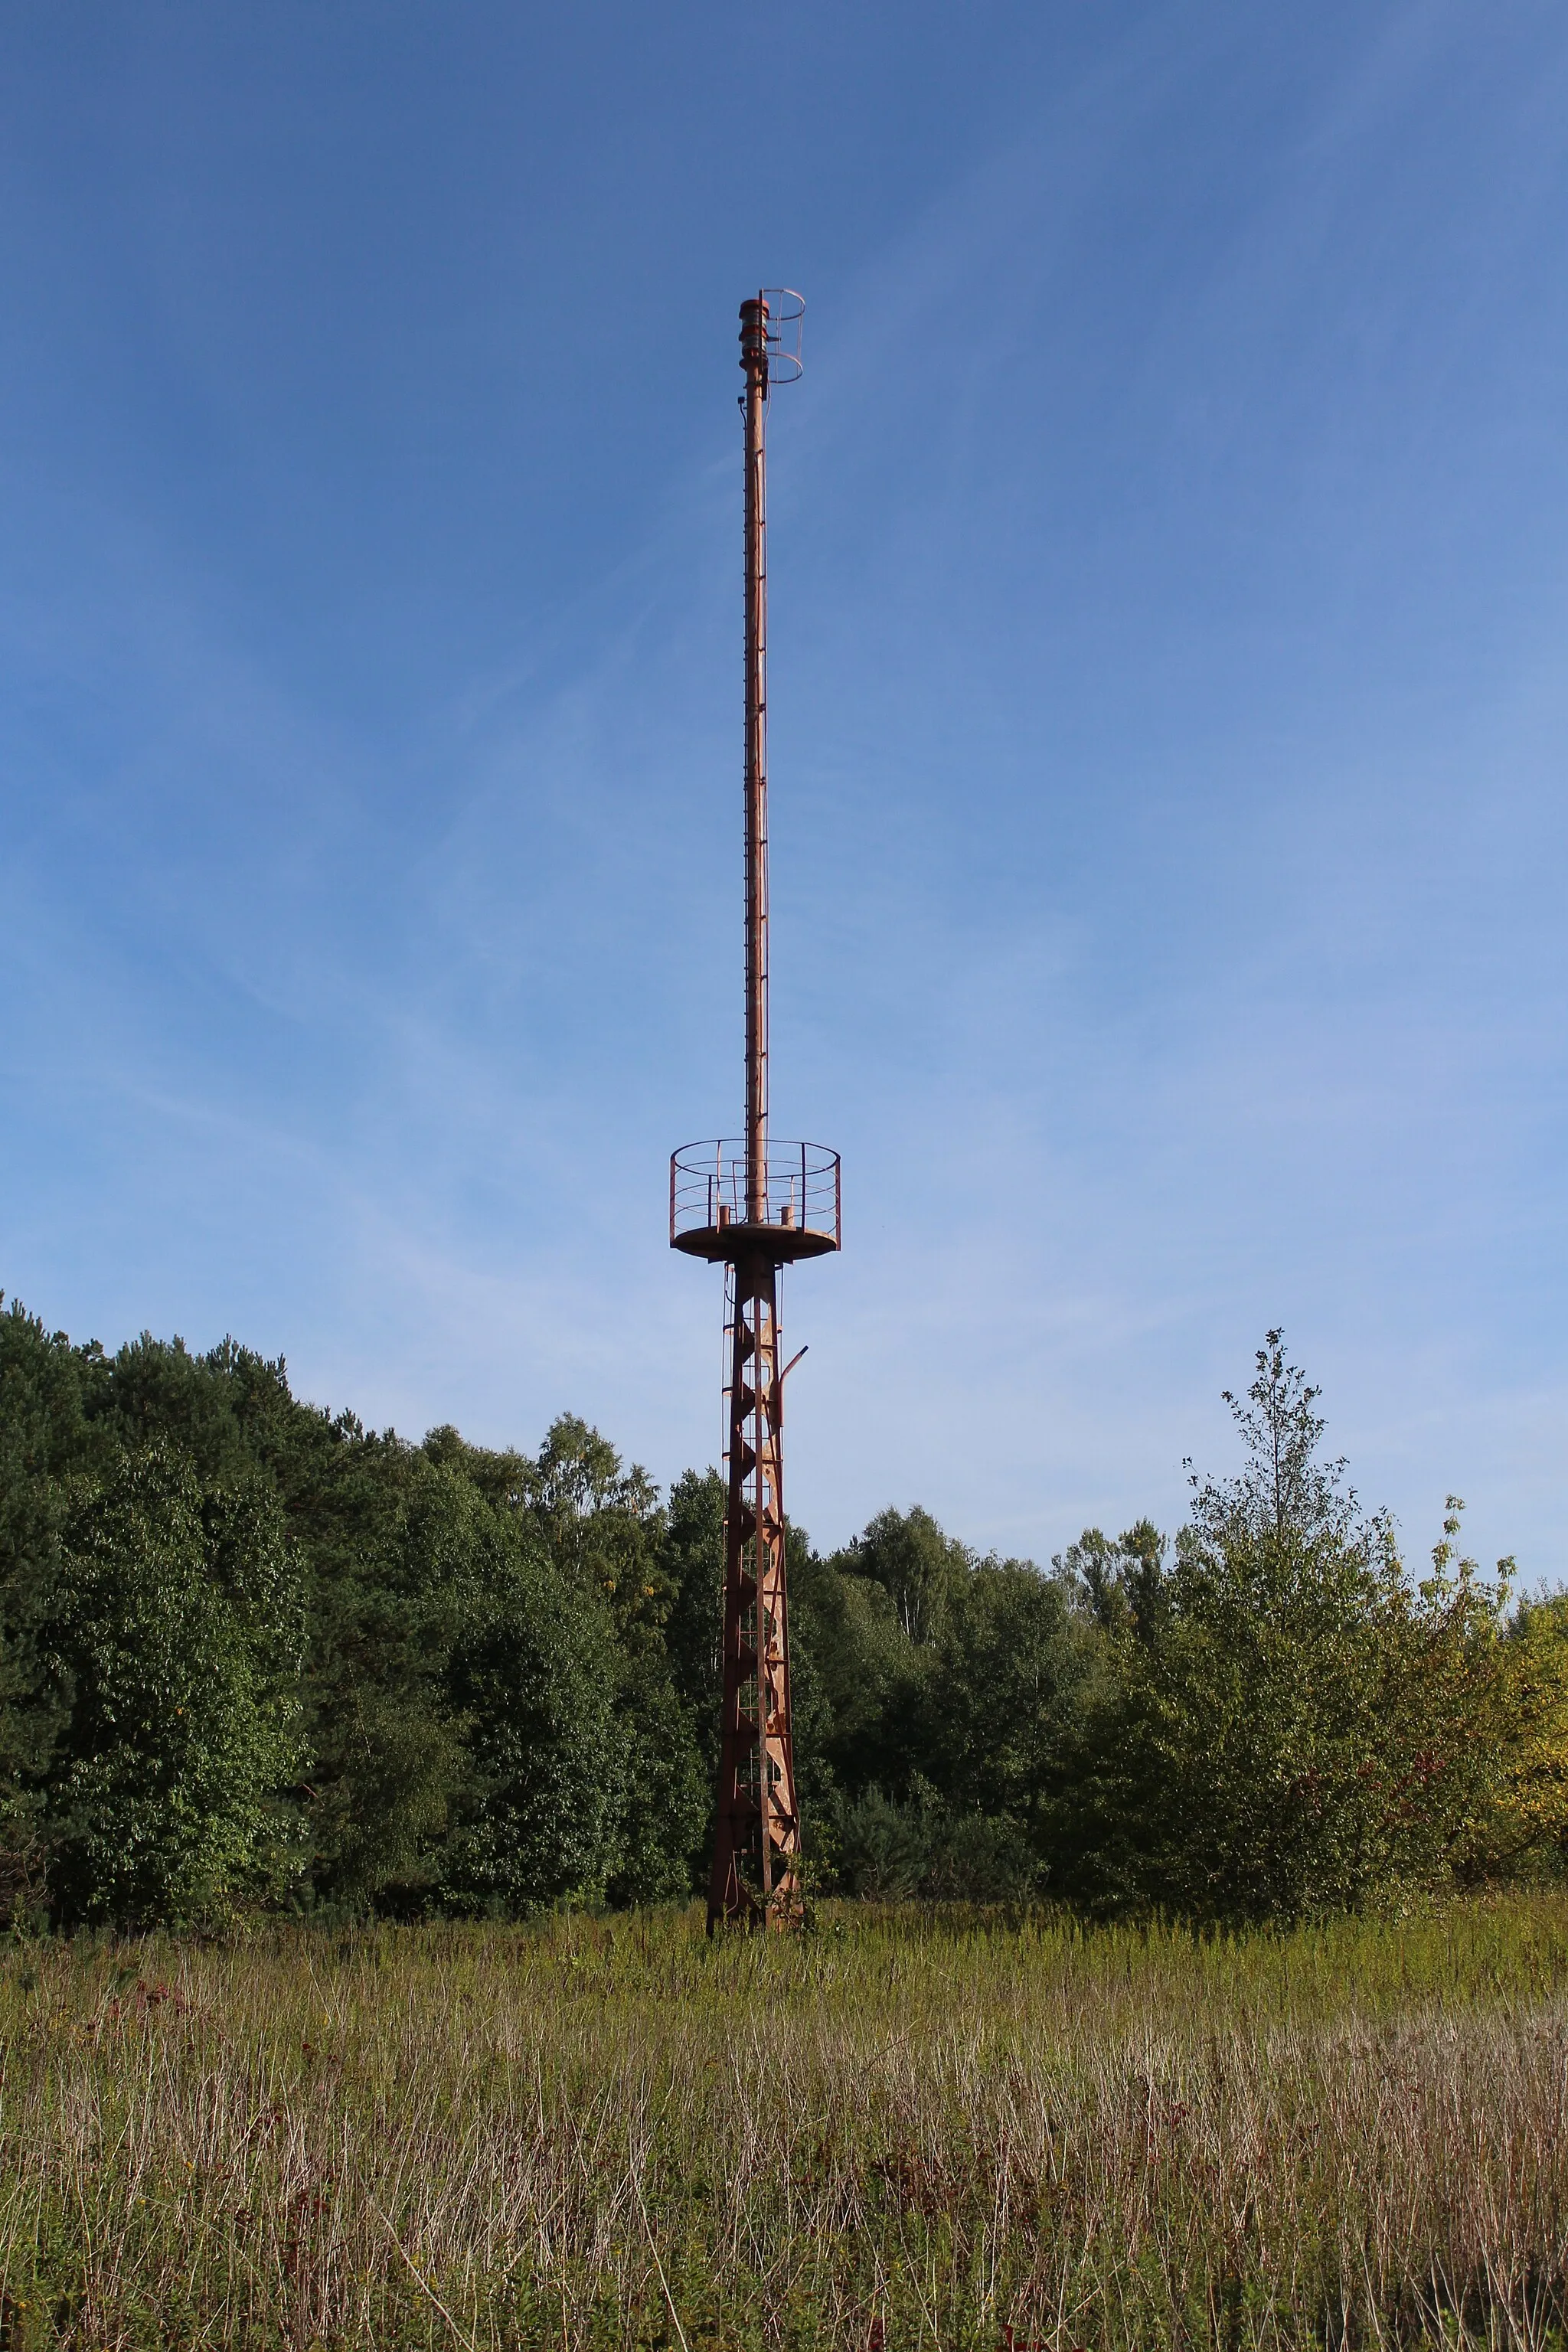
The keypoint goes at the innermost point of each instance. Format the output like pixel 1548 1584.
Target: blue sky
pixel 1169 712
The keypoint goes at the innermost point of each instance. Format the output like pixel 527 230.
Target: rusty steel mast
pixel 753 1207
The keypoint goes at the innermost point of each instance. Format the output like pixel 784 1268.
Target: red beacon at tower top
pixel 752 1206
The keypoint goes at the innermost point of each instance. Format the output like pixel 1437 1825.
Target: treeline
pixel 255 1654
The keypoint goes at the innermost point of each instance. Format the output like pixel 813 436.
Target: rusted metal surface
pixel 754 1209
pixel 755 1876
pixel 710 1197
pixel 754 400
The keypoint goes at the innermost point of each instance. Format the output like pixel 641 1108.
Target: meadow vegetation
pixel 1186 1957
pixel 917 2126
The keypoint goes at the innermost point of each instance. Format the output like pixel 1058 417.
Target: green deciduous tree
pixel 1289 1726
pixel 918 1567
pixel 533 1678
pixel 44 1437
pixel 250 1650
pixel 174 1648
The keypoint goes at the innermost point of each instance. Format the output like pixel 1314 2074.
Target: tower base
pixel 755 1879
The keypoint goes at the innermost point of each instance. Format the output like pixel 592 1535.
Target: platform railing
pixel 707 1188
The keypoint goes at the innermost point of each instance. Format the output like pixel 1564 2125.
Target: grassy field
pixel 897 2130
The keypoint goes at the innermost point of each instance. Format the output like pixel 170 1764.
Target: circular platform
pixel 722 1245
pixel 709 1198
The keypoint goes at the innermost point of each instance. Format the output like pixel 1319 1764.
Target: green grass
pixel 606 2133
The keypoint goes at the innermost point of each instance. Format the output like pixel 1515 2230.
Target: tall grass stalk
pixel 924 2130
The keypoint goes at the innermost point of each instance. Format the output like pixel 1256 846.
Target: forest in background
pixel 255 1656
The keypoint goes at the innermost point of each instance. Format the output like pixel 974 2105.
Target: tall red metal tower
pixel 754 1207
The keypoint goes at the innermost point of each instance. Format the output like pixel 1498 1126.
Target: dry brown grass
pixel 613 2133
